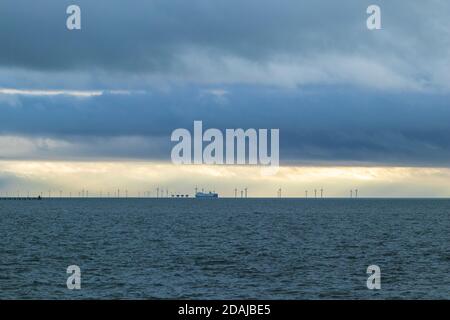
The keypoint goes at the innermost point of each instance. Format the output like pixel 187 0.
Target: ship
pixel 209 195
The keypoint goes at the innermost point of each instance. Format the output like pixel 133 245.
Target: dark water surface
pixel 226 248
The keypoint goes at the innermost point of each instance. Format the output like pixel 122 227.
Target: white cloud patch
pixel 219 95
pixel 79 147
pixel 31 92
pixel 18 147
pixel 63 92
pixel 296 71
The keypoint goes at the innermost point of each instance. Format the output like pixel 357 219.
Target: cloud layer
pixel 285 43
pixel 339 94
pixel 341 126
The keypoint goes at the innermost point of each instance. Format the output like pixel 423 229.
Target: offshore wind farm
pixel 157 193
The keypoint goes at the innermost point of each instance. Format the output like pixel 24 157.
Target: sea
pixel 225 248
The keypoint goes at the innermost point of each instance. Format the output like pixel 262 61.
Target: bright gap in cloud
pixel 74 93
pixel 139 177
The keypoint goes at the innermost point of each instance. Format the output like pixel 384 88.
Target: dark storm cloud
pixel 341 125
pixel 154 36
pixel 338 92
pixel 148 35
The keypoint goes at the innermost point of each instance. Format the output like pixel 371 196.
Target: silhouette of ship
pixel 209 195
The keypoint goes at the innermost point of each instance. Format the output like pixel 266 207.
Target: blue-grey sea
pixel 225 248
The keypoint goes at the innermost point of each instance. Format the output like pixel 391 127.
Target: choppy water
pixel 263 249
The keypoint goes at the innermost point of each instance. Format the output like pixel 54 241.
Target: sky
pixel 94 108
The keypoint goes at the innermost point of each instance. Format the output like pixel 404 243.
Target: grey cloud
pixel 338 92
pixel 233 41
pixel 316 125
